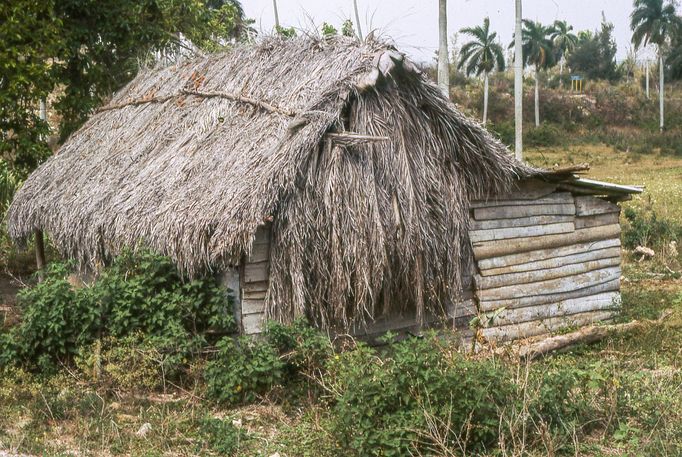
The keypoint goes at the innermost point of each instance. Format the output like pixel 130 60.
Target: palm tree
pixel 443 61
pixel 518 84
pixel 655 22
pixel 538 50
pixel 564 42
pixel 481 56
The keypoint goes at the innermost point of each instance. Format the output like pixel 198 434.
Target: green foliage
pixel 247 368
pixel 645 228
pixel 328 30
pixel 383 405
pixel 545 135
pixel 347 29
pixel 30 34
pixel 286 32
pixel 221 436
pixel 594 56
pixel 139 294
pixel 483 53
pixel 87 50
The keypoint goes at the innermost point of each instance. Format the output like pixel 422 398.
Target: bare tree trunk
pixel 647 78
pixel 357 19
pixel 485 98
pixel 518 85
pixel 38 234
pixel 274 6
pixel 561 72
pixel 661 100
pixel 443 63
pixel 537 96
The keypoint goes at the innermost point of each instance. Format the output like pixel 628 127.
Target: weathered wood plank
pixel 490 249
pixel 256 272
pixel 554 262
pixel 588 206
pixel 563 271
pixel 544 254
pixel 596 220
pixel 519 222
pixel 609 285
pixel 260 252
pixel 551 286
pixel 254 294
pixel 558 198
pixel 255 286
pixel 462 308
pixel 253 306
pixel 600 302
pixel 253 323
pixel 542 326
pixel 477 236
pixel 528 189
pixel 510 212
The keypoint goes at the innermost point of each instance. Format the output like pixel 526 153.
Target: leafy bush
pixel 385 405
pixel 138 295
pixel 645 228
pixel 246 368
pixel 545 135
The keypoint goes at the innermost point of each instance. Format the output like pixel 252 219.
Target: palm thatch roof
pixel 365 169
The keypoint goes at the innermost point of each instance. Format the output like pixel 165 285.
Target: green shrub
pixel 645 228
pixel 544 136
pixel 288 355
pixel 137 295
pixel 384 405
pixel 242 370
pixel 221 436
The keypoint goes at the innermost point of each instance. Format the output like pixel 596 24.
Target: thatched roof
pixel 190 159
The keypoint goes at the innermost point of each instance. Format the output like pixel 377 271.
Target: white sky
pixel 413 24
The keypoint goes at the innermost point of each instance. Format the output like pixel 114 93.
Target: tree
pixel 564 42
pixel 443 63
pixel 538 50
pixel 89 49
pixel 518 83
pixel 481 56
pixel 655 22
pixel 594 55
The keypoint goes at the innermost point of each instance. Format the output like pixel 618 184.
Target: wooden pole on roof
pixel 357 19
pixel 274 6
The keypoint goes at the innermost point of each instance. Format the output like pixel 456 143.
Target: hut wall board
pixel 254 283
pixel 544 260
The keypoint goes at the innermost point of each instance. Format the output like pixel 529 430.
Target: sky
pixel 413 24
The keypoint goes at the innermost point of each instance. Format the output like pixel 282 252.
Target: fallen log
pixel 586 335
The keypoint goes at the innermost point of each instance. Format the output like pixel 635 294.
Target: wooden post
pixel 40 249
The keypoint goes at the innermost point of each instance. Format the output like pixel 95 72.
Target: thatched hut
pixel 321 178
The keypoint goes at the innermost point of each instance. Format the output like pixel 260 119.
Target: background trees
pixel 594 55
pixel 538 51
pixel 655 22
pixel 564 41
pixel 481 56
pixel 87 49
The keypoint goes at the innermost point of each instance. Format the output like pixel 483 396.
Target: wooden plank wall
pixel 544 260
pixel 254 283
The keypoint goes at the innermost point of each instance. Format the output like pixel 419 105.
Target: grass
pixel 637 377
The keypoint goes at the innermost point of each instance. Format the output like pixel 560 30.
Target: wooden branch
pixel 585 335
pixel 351 138
pixel 265 106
